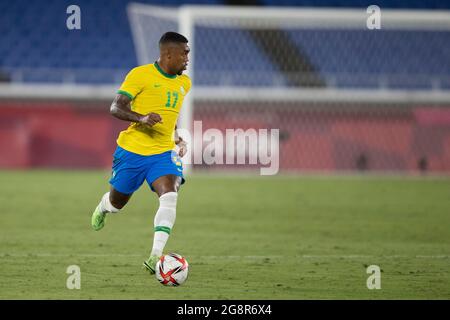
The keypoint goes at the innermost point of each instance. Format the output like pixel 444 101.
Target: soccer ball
pixel 172 269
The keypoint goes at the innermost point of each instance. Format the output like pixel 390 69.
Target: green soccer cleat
pixel 98 219
pixel 150 264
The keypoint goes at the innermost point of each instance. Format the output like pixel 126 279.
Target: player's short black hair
pixel 172 37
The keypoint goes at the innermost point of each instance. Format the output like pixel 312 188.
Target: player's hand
pixel 151 119
pixel 182 145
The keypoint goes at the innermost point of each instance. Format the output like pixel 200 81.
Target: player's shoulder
pixel 143 69
pixel 185 79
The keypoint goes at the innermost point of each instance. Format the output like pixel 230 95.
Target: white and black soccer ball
pixel 172 269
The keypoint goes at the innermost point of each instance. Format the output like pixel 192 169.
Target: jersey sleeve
pixel 187 84
pixel 132 84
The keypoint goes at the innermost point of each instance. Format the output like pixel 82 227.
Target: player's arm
pixel 121 109
pixel 180 143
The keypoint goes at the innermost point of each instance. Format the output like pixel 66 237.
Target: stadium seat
pixel 42 41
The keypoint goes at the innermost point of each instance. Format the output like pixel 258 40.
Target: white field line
pixel 349 256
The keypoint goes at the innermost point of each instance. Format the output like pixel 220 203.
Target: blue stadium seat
pixel 371 58
pixel 36 37
pixel 215 67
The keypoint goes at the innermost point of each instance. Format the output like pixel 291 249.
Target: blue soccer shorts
pixel 129 170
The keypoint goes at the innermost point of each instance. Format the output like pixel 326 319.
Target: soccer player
pixel 150 98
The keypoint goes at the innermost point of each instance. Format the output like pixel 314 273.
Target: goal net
pixel 310 89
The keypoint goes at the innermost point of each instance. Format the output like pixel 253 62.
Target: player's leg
pixel 128 174
pixel 166 187
pixel 166 184
pixel 165 179
pixel 111 202
pixel 118 199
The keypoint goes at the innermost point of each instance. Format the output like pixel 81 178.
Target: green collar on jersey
pixel 170 76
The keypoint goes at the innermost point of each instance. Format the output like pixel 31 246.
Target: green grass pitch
pixel 281 237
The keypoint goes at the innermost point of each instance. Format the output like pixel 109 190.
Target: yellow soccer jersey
pixel 153 90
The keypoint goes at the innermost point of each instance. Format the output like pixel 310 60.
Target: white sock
pixel 164 220
pixel 105 205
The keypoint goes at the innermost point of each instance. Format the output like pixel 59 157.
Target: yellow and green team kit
pixel 153 90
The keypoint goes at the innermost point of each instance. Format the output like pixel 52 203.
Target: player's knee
pixel 166 184
pixel 168 188
pixel 162 190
